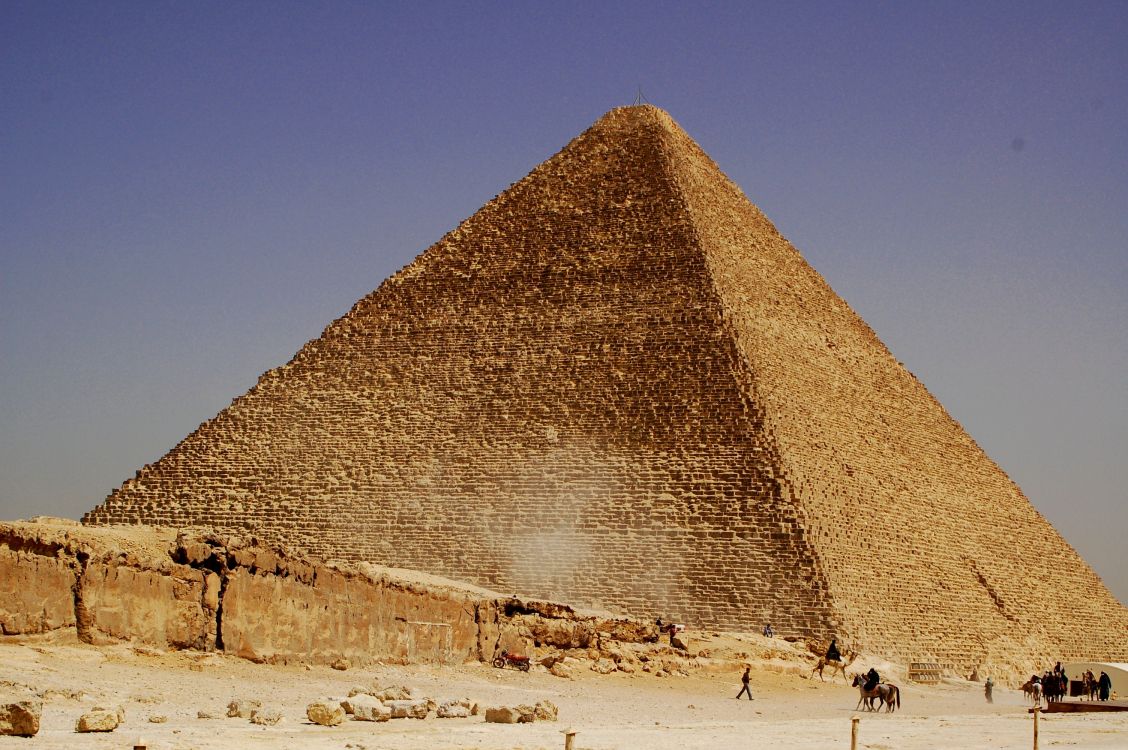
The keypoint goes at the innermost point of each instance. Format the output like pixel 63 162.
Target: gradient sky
pixel 190 191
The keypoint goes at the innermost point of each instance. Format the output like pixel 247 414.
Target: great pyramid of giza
pixel 618 385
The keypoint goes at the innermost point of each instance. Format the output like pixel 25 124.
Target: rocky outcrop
pixel 199 590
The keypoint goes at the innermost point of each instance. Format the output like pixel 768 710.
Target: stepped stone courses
pixel 618 385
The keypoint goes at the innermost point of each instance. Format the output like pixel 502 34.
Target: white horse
pixel 1033 690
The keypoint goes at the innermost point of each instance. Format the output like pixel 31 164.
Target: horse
pixel 886 692
pixel 1054 686
pixel 834 666
pixel 1090 686
pixel 1032 691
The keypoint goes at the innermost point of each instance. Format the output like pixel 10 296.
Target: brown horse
pixel 885 692
pixel 833 666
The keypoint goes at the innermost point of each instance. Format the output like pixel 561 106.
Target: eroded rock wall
pixel 199 590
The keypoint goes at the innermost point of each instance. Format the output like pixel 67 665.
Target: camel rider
pixel 872 678
pixel 832 652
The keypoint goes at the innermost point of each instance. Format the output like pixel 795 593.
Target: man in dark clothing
pixel 744 679
pixel 832 652
pixel 1105 685
pixel 872 678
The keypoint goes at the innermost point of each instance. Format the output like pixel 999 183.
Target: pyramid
pixel 619 386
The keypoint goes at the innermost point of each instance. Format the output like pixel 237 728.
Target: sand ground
pixel 607 711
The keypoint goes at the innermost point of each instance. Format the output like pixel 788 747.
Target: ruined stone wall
pixel 544 402
pixel 930 550
pixel 201 592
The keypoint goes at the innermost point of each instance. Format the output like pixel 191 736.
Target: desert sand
pixel 676 712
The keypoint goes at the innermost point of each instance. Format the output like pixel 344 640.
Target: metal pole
pixel 854 732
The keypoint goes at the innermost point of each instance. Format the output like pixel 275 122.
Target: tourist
pixel 768 632
pixel 987 688
pixel 744 678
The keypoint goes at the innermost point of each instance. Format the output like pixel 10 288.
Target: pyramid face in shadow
pixel 619 386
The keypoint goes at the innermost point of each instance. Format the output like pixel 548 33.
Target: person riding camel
pixel 872 678
pixel 832 652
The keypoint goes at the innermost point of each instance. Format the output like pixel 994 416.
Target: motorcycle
pixel 507 659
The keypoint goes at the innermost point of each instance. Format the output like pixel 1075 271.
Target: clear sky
pixel 189 191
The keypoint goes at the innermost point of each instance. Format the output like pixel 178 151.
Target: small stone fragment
pixel 342 664
pixel 266 717
pixel 242 708
pixel 157 719
pixel 546 710
pixel 452 710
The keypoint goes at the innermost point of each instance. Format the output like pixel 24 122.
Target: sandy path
pixel 615 711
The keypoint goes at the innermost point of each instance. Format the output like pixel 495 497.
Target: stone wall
pixel 198 590
pixel 618 385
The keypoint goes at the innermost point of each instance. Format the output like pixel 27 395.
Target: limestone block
pixel 452 710
pixel 502 715
pixel 408 709
pixel 36 591
pixel 367 708
pixel 327 713
pixel 160 608
pixel 98 720
pixel 21 718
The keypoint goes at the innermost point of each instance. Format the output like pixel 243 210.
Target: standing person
pixel 987 688
pixel 744 678
pixel 768 632
pixel 1105 685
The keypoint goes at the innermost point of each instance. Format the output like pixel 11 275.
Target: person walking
pixel 988 686
pixel 744 678
pixel 1104 684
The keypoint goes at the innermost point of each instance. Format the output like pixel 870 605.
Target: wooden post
pixel 854 732
pixel 569 736
pixel 1037 710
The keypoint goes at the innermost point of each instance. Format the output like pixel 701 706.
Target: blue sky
pixel 190 191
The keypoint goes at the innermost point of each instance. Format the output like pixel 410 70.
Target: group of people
pixel 1055 684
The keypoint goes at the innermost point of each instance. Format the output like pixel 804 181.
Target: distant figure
pixel 988 686
pixel 872 678
pixel 768 632
pixel 1105 685
pixel 832 652
pixel 744 679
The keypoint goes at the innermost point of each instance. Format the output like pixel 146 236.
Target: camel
pixel 833 666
